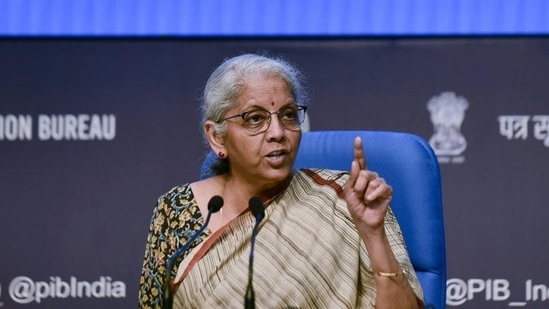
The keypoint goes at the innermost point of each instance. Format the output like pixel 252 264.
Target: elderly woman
pixel 328 238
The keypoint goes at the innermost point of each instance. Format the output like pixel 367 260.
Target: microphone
pixel 214 205
pixel 256 206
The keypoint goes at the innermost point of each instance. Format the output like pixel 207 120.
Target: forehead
pixel 265 82
pixel 261 89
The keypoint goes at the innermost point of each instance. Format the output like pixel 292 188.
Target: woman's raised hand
pixel 367 194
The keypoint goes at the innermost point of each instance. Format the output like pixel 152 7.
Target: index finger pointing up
pixel 359 153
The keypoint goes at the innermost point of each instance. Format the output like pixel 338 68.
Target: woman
pixel 328 239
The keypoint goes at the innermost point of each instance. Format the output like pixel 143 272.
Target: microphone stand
pixel 215 203
pixel 258 210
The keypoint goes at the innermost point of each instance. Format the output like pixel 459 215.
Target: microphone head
pixel 215 204
pixel 256 207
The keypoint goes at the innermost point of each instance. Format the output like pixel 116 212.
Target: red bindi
pixel 272 103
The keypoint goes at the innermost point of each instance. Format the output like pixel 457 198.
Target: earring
pixel 221 155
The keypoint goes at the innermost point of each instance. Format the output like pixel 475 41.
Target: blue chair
pixel 409 165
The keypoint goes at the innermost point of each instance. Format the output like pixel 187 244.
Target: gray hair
pixel 227 82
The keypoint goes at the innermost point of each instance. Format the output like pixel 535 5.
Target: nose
pixel 275 131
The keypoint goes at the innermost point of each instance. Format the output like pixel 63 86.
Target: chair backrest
pixel 409 165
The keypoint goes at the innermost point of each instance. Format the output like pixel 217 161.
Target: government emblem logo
pixel 447 114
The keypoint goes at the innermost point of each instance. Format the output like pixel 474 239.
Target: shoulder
pixel 178 203
pixel 181 195
pixel 333 179
pixel 204 189
pixel 322 191
pixel 176 196
pixel 321 182
pixel 208 185
pixel 323 172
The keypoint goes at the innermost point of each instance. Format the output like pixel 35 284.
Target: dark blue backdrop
pixel 74 212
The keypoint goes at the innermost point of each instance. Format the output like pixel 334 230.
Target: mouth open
pixel 277 157
pixel 276 154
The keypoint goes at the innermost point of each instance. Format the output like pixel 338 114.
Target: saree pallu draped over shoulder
pixel 307 254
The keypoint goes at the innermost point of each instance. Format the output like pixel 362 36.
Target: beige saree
pixel 308 254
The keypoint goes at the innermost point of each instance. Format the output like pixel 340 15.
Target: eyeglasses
pixel 258 121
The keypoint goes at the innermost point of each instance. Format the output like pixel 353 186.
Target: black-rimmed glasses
pixel 258 121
